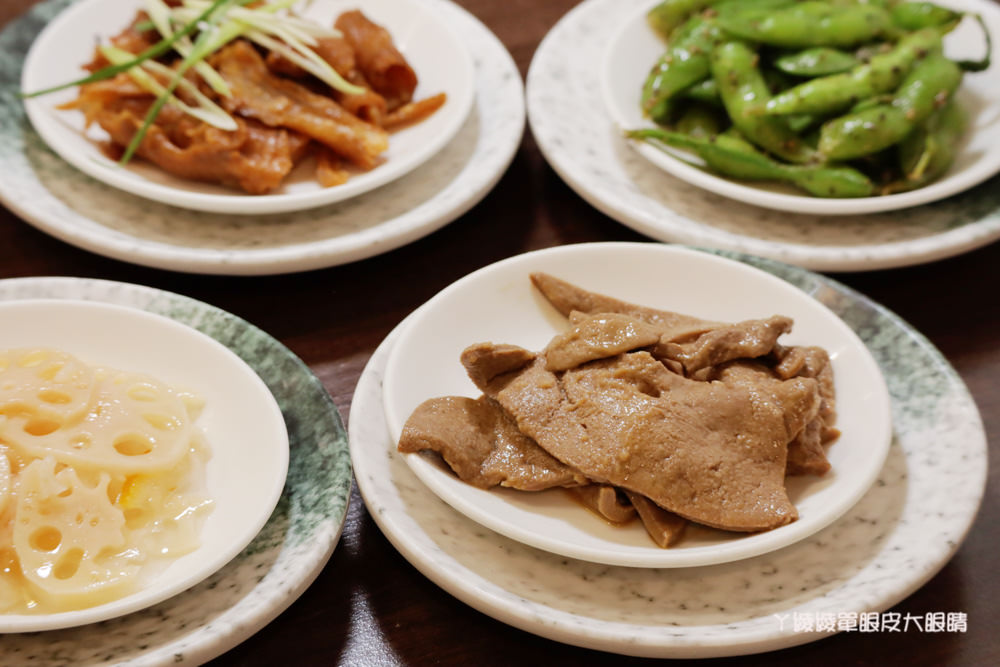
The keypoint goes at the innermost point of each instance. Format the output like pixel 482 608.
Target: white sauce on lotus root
pixel 102 480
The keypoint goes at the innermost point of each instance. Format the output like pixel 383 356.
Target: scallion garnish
pixel 157 49
pixel 217 23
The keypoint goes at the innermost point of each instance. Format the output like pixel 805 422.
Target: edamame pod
pixel 744 93
pixel 928 86
pixel 882 74
pixel 817 61
pixel 684 63
pixel 705 91
pixel 806 24
pixel 734 157
pixel 917 15
pixel 665 17
pixel 926 153
pixel 699 120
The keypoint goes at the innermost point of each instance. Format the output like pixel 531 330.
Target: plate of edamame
pixel 815 106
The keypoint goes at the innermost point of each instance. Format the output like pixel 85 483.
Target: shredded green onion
pixel 217 23
pixel 157 49
pixel 208 111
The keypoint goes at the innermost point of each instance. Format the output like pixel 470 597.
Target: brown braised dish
pixel 282 112
pixel 642 412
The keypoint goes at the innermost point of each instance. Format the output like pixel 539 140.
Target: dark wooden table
pixel 370 606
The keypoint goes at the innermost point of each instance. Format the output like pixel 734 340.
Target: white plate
pixel 898 536
pixel 439 58
pixel 61 201
pixel 243 427
pixel 582 143
pixel 276 567
pixel 499 304
pixel 636 47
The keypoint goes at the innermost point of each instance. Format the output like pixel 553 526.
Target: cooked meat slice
pixel 566 298
pixel 330 169
pixel 813 362
pixel 378 59
pixel 254 158
pixel 483 446
pixel 744 340
pixel 485 361
pixel 369 106
pixel 604 501
pixel 413 112
pixel 712 452
pixel 132 39
pixel 598 337
pixel 806 455
pixel 665 528
pixel 810 362
pixel 279 102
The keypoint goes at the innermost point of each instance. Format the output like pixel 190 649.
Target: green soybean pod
pixel 667 16
pixel 705 91
pixel 683 64
pixel 731 156
pixel 744 93
pixel 700 120
pixel 806 24
pixel 926 153
pixel 817 61
pixel 883 73
pixel 917 15
pixel 929 85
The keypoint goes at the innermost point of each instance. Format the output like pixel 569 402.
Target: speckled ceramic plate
pixel 498 303
pixel 437 55
pixel 50 194
pixel 896 538
pixel 635 47
pixel 579 139
pixel 278 564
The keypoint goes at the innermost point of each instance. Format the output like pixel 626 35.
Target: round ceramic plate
pixel 439 58
pixel 571 124
pixel 60 200
pixel 636 47
pixel 243 428
pixel 499 304
pixel 284 558
pixel 894 539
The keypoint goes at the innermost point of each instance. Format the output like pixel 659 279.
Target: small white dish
pixel 60 200
pixel 243 426
pixel 498 303
pixel 899 535
pixel 634 49
pixel 438 56
pixel 571 125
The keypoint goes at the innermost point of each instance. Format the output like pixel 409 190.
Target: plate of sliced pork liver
pixel 637 404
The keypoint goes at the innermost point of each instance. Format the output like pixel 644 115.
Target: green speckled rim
pixel 283 559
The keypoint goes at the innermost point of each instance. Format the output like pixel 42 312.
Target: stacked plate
pixel 550 568
pixel 434 171
pixel 581 98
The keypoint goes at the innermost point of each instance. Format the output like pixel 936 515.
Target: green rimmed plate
pixel 284 558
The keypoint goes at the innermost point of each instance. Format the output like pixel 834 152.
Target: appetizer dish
pixel 839 100
pixel 888 106
pixel 636 380
pixel 642 411
pixel 101 480
pixel 252 98
pixel 137 457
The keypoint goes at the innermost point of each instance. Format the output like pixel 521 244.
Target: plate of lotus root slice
pixel 637 404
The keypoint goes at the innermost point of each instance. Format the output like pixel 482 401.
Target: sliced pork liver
pixel 712 452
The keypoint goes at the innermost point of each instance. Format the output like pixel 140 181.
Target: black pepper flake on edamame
pixel 839 98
